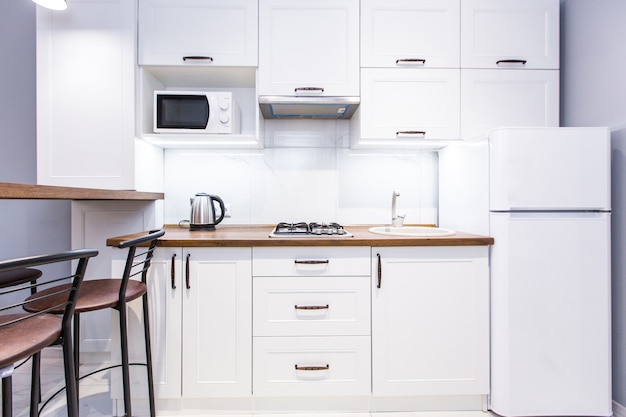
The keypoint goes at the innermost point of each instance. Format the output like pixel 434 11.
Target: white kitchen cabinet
pixel 198 32
pixel 202 45
pixel 410 33
pixel 309 48
pixel 311 321
pixel 404 106
pixel 200 309
pixel 510 33
pixel 85 95
pixel 430 321
pixel 493 98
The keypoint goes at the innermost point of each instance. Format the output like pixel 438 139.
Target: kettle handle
pixel 222 208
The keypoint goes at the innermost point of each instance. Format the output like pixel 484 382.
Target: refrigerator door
pixel 549 169
pixel 550 318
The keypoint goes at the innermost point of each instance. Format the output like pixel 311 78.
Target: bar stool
pixel 10 279
pixel 99 294
pixel 23 335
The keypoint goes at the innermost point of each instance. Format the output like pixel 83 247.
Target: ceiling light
pixel 52 4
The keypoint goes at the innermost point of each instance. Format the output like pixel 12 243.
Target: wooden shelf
pixel 17 191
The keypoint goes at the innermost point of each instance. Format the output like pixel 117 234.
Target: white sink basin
pixel 414 231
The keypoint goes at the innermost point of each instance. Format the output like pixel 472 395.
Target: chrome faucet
pixel 396 220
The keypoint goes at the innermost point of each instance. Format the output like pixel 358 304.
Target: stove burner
pixel 308 229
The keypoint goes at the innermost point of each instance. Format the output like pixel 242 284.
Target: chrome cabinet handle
pixel 312 368
pixel 311 261
pixel 297 307
pixel 319 90
pixel 197 58
pixel 420 133
pixel 380 271
pixel 411 61
pixel 187 271
pixel 173 272
pixel 511 62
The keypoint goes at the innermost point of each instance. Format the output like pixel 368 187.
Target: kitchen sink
pixel 414 231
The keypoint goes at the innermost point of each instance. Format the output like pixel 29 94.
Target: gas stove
pixel 303 229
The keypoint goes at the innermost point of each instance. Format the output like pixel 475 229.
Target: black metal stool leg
pixel 71 384
pixel 76 347
pixel 7 396
pixel 35 384
pixel 125 360
pixel 146 334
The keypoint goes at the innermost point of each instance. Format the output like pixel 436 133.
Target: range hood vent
pixel 286 107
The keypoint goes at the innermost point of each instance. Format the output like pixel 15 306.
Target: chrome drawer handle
pixel 312 261
pixel 312 368
pixel 297 307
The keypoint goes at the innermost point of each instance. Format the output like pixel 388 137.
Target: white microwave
pixel 195 112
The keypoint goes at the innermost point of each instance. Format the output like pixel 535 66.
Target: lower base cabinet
pixel 430 321
pixel 312 366
pixel 317 329
pixel 201 304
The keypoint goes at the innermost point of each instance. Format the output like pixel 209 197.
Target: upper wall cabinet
pixel 406 107
pixel 511 33
pixel 309 47
pixel 410 33
pixel 198 32
pixel 85 95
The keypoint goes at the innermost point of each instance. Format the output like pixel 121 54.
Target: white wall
pixel 322 181
pixel 27 227
pixel 593 93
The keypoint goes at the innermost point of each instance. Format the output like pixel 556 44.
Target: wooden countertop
pixel 246 236
pixel 9 190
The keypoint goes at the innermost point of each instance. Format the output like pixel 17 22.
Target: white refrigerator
pixel 543 194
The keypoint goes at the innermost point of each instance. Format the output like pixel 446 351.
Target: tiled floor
pixel 95 399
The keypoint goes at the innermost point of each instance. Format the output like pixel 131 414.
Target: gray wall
pixel 27 227
pixel 593 93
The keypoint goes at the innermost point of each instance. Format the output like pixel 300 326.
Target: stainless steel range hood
pixel 306 107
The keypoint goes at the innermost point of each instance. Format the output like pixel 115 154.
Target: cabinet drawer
pixel 311 261
pixel 312 366
pixel 311 306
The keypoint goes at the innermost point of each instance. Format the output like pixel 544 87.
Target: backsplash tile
pixel 308 174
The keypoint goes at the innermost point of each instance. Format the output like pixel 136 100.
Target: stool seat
pixel 96 294
pixel 18 276
pixel 20 341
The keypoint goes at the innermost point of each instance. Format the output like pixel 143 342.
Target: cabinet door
pixel 217 323
pixel 504 33
pixel 192 32
pixel 309 45
pixel 165 289
pixel 430 321
pixel 409 105
pixel 495 98
pixel 85 95
pixel 397 33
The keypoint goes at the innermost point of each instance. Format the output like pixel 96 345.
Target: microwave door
pixel 182 111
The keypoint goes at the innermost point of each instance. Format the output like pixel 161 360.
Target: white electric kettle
pixel 203 212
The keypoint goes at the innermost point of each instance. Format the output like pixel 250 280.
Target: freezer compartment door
pixel 550 314
pixel 550 169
